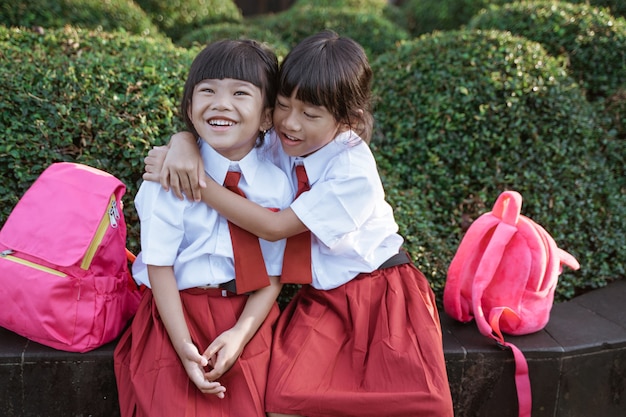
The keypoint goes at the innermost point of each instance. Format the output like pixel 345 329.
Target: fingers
pixel 151 173
pixel 220 364
pixel 187 187
pixel 219 392
pixel 214 388
pixel 195 192
pixel 153 163
pixel 215 373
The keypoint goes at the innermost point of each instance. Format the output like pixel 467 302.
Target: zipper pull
pixel 6 253
pixel 114 214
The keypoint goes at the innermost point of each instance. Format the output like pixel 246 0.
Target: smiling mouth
pixel 291 138
pixel 221 122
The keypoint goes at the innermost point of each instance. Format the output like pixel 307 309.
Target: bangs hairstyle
pixel 244 59
pixel 332 71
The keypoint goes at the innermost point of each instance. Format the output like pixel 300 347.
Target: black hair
pixel 242 59
pixel 333 71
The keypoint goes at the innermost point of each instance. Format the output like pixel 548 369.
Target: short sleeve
pixel 161 215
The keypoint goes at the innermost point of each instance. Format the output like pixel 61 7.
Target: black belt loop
pixel 399 258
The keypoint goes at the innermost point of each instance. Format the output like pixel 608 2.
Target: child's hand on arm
pixel 177 166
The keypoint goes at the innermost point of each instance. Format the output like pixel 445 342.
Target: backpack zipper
pixel 110 218
pixel 8 255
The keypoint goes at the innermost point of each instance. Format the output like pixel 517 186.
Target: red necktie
pixel 250 272
pixel 297 260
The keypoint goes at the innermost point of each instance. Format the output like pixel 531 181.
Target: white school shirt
pixel 192 236
pixel 353 228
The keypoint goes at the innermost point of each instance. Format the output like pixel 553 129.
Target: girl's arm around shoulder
pixel 227 347
pixel 264 223
pixel 177 166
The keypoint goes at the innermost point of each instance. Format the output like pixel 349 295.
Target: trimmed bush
pixel 591 40
pixel 612 113
pixel 465 115
pixel 382 8
pixel 614 109
pixel 102 99
pixel 372 5
pixel 617 7
pixel 375 33
pixel 176 18
pixel 90 14
pixel 425 16
pixel 248 30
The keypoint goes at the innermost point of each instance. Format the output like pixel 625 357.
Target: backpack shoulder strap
pixel 507 208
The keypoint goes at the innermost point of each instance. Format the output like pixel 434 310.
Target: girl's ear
pixel 355 122
pixel 266 119
pixel 189 110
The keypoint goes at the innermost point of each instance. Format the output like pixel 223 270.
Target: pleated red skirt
pixel 151 380
pixel 371 347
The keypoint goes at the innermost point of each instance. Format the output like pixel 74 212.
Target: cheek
pixel 277 116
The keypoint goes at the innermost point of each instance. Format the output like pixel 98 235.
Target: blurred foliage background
pixel 471 98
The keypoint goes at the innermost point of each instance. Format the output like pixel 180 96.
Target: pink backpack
pixel 64 277
pixel 503 275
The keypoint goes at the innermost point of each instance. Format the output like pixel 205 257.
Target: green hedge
pixel 617 7
pixel 465 115
pixel 176 18
pixel 91 14
pixel 373 31
pixel 246 29
pixel 475 112
pixel 370 5
pixel 425 16
pixel 380 8
pixel 97 98
pixel 590 39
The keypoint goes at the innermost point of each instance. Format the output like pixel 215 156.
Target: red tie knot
pixel 303 180
pixel 232 179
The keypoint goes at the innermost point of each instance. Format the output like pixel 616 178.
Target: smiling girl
pixel 199 344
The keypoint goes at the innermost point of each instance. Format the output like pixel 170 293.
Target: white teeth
pixel 291 138
pixel 220 123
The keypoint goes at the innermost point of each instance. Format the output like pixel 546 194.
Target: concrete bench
pixel 577 368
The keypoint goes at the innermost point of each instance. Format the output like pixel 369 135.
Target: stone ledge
pixel 577 368
pixel 577 364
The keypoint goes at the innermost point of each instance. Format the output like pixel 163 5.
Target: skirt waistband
pixel 399 258
pixel 226 289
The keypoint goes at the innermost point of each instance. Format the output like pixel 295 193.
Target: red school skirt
pixel 151 380
pixel 371 347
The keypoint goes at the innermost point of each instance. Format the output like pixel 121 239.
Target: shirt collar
pixel 316 163
pixel 216 165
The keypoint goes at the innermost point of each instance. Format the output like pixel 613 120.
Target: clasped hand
pixel 218 358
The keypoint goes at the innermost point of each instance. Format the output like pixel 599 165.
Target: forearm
pixel 266 224
pixel 256 310
pixel 167 299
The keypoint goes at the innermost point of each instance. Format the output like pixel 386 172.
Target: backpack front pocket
pixel 38 302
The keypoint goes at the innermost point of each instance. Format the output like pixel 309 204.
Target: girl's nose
pixel 290 122
pixel 221 102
